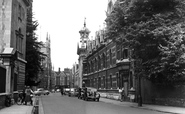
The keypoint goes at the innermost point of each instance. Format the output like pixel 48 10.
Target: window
pixel 117 79
pixel 99 62
pixel 111 80
pixel 92 65
pixel 99 82
pixel 110 56
pixel 104 82
pixel 19 42
pixel 125 53
pixel 89 65
pixel 104 61
pixel 95 64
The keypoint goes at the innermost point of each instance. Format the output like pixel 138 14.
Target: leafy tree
pixel 149 27
pixel 33 54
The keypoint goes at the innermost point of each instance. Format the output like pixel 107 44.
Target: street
pixel 57 104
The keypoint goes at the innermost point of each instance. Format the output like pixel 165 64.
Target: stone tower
pixel 82 51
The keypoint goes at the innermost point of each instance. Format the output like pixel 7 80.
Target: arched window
pixel 104 61
pixel 110 56
pixel 92 66
pixel 95 65
pixel 89 67
pixel 99 62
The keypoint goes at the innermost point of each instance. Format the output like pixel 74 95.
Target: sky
pixel 62 20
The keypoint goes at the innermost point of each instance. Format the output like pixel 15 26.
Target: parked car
pixel 73 92
pixel 66 91
pixel 58 90
pixel 90 93
pixel 41 91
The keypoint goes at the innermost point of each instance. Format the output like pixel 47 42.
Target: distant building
pixel 63 78
pixel 68 77
pixel 75 75
pixel 45 75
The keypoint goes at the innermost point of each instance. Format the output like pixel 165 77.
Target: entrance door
pixel 126 88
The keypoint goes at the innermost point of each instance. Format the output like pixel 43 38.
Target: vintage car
pixel 41 91
pixel 66 91
pixel 73 92
pixel 89 93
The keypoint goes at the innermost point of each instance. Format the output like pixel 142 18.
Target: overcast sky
pixel 63 19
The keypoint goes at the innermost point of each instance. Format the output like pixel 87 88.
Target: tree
pixel 33 54
pixel 147 27
pixel 173 54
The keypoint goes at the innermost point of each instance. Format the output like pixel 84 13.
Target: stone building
pixel 75 75
pixel 106 65
pixel 13 42
pixel 63 78
pixel 46 75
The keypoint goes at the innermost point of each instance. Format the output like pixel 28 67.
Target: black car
pixel 66 91
pixel 89 93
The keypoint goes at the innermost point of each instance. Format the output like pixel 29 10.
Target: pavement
pixel 18 109
pixel 28 109
pixel 158 108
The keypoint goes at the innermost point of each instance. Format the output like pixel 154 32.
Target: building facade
pixel 63 78
pixel 107 65
pixel 13 41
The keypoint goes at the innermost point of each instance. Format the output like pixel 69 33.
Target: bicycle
pixel 20 98
pixel 8 100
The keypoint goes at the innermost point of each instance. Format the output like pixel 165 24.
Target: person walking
pixel 121 91
pixel 23 95
pixel 28 97
pixel 62 91
pixel 79 92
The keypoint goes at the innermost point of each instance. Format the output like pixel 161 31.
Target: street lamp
pixel 139 71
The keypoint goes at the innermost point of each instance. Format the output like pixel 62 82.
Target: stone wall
pixel 173 95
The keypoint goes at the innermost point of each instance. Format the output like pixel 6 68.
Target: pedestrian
pixel 28 97
pixel 79 92
pixel 62 91
pixel 23 95
pixel 121 91
pixel 122 94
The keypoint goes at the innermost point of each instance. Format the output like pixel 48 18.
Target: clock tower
pixel 82 51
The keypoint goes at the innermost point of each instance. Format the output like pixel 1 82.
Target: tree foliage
pixel 154 29
pixel 33 54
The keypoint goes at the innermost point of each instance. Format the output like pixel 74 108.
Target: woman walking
pixel 28 93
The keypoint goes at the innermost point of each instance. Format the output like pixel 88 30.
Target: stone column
pixel 9 74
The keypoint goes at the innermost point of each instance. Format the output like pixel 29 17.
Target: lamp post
pixel 139 71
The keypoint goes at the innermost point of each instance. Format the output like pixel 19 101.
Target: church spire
pixel 47 37
pixel 85 22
